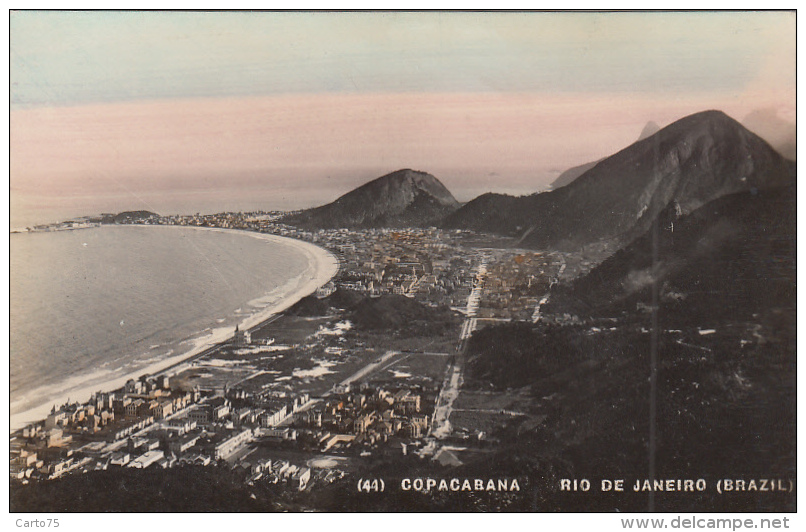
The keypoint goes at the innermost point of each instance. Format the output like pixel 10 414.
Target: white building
pixel 147 459
pixel 230 445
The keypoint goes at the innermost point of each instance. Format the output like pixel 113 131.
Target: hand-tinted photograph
pixel 387 261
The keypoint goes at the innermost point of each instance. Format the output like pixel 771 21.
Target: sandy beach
pixel 322 266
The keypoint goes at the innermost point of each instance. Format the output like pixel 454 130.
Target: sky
pixel 182 112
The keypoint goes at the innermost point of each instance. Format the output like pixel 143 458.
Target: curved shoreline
pixel 322 266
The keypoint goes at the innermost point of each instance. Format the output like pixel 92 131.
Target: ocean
pixel 91 306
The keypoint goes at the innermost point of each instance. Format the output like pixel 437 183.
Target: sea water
pixel 90 305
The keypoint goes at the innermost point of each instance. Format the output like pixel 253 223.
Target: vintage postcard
pixel 384 261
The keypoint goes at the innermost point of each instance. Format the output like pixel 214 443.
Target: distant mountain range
pixel 649 129
pixel 691 162
pixel 402 198
pixel 683 166
pixel 570 175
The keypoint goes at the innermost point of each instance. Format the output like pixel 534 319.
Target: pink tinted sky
pixel 174 146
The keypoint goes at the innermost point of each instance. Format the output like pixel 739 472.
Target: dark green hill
pixel 401 199
pixel 728 260
pixel 341 299
pixel 309 306
pixel 403 316
pixel 345 299
pixel 128 217
pixel 723 282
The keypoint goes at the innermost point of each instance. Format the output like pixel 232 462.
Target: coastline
pixel 322 266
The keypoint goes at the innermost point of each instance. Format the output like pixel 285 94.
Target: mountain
pixel 402 198
pixel 778 132
pixel 572 173
pixel 730 261
pixel 649 129
pixel 687 164
pixel 707 303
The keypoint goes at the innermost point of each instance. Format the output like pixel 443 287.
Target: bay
pixel 91 305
